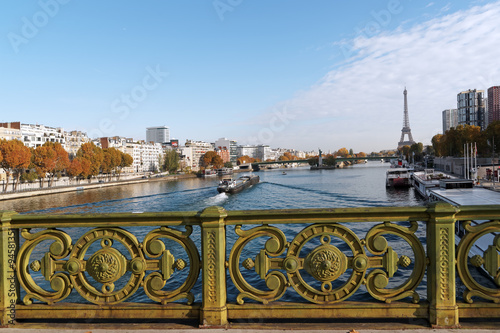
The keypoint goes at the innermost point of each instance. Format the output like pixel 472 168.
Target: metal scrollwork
pixel 155 248
pixel 378 279
pixel 59 282
pixel 326 263
pixel 275 280
pixel 490 260
pixel 106 276
pixel 106 265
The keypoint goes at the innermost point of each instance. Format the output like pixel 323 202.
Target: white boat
pixel 397 177
pixel 424 181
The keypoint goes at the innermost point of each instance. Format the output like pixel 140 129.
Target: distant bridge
pixel 257 165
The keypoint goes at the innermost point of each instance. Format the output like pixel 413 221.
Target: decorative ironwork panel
pixel 489 261
pixel 327 263
pixel 107 276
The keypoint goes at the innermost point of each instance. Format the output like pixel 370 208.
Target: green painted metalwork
pixel 325 263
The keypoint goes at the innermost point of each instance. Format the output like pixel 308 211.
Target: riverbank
pixel 88 186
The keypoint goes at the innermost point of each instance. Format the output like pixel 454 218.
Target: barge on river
pixel 229 185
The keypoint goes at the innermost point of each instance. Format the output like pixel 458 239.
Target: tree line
pixel 452 142
pixel 51 160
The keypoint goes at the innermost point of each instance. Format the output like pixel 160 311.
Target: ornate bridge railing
pixel 216 266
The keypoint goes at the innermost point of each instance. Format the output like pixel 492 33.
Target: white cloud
pixel 360 103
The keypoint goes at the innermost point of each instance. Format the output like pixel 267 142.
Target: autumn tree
pixel 112 159
pixel 75 168
pixel 452 142
pixel 283 158
pixel 170 161
pixel 211 158
pixel 44 159
pixel 245 159
pixel 342 152
pixel 16 157
pixel 126 161
pixel 287 157
pixel 94 155
pixel 61 161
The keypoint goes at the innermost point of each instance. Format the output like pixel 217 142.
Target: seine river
pixel 361 185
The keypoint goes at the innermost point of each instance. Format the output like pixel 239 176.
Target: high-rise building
pixel 493 104
pixel 159 134
pixel 230 145
pixel 470 106
pixel 450 119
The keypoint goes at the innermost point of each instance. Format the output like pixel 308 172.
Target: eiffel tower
pixel 406 127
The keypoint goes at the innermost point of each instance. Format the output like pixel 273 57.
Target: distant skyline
pixel 289 74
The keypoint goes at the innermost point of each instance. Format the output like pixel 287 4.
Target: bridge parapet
pixel 381 262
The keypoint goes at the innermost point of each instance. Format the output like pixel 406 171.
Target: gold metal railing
pixel 45 261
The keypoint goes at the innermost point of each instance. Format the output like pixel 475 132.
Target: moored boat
pixel 229 185
pixel 208 173
pixel 424 181
pixel 397 177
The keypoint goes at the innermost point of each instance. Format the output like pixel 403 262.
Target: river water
pixel 361 185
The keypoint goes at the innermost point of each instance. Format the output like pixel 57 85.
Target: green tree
pixel 329 160
pixel 228 165
pixel 171 161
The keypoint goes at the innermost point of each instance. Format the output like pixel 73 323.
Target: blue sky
pixel 287 73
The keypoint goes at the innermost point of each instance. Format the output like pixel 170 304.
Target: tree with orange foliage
pixel 49 160
pixel 75 169
pixel 210 158
pixel 94 155
pixel 16 158
pixel 86 168
pixel 283 158
pixel 288 157
pixel 44 159
pixel 112 158
pixel 126 161
pixel 343 152
pixel 245 159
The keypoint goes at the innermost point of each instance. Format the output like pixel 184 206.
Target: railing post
pixel 441 289
pixel 9 286
pixel 213 243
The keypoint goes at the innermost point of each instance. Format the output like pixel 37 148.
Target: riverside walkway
pixel 84 271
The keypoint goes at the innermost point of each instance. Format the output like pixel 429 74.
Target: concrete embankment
pixel 86 186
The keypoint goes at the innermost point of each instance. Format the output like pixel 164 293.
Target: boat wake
pixel 216 200
pixel 348 199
